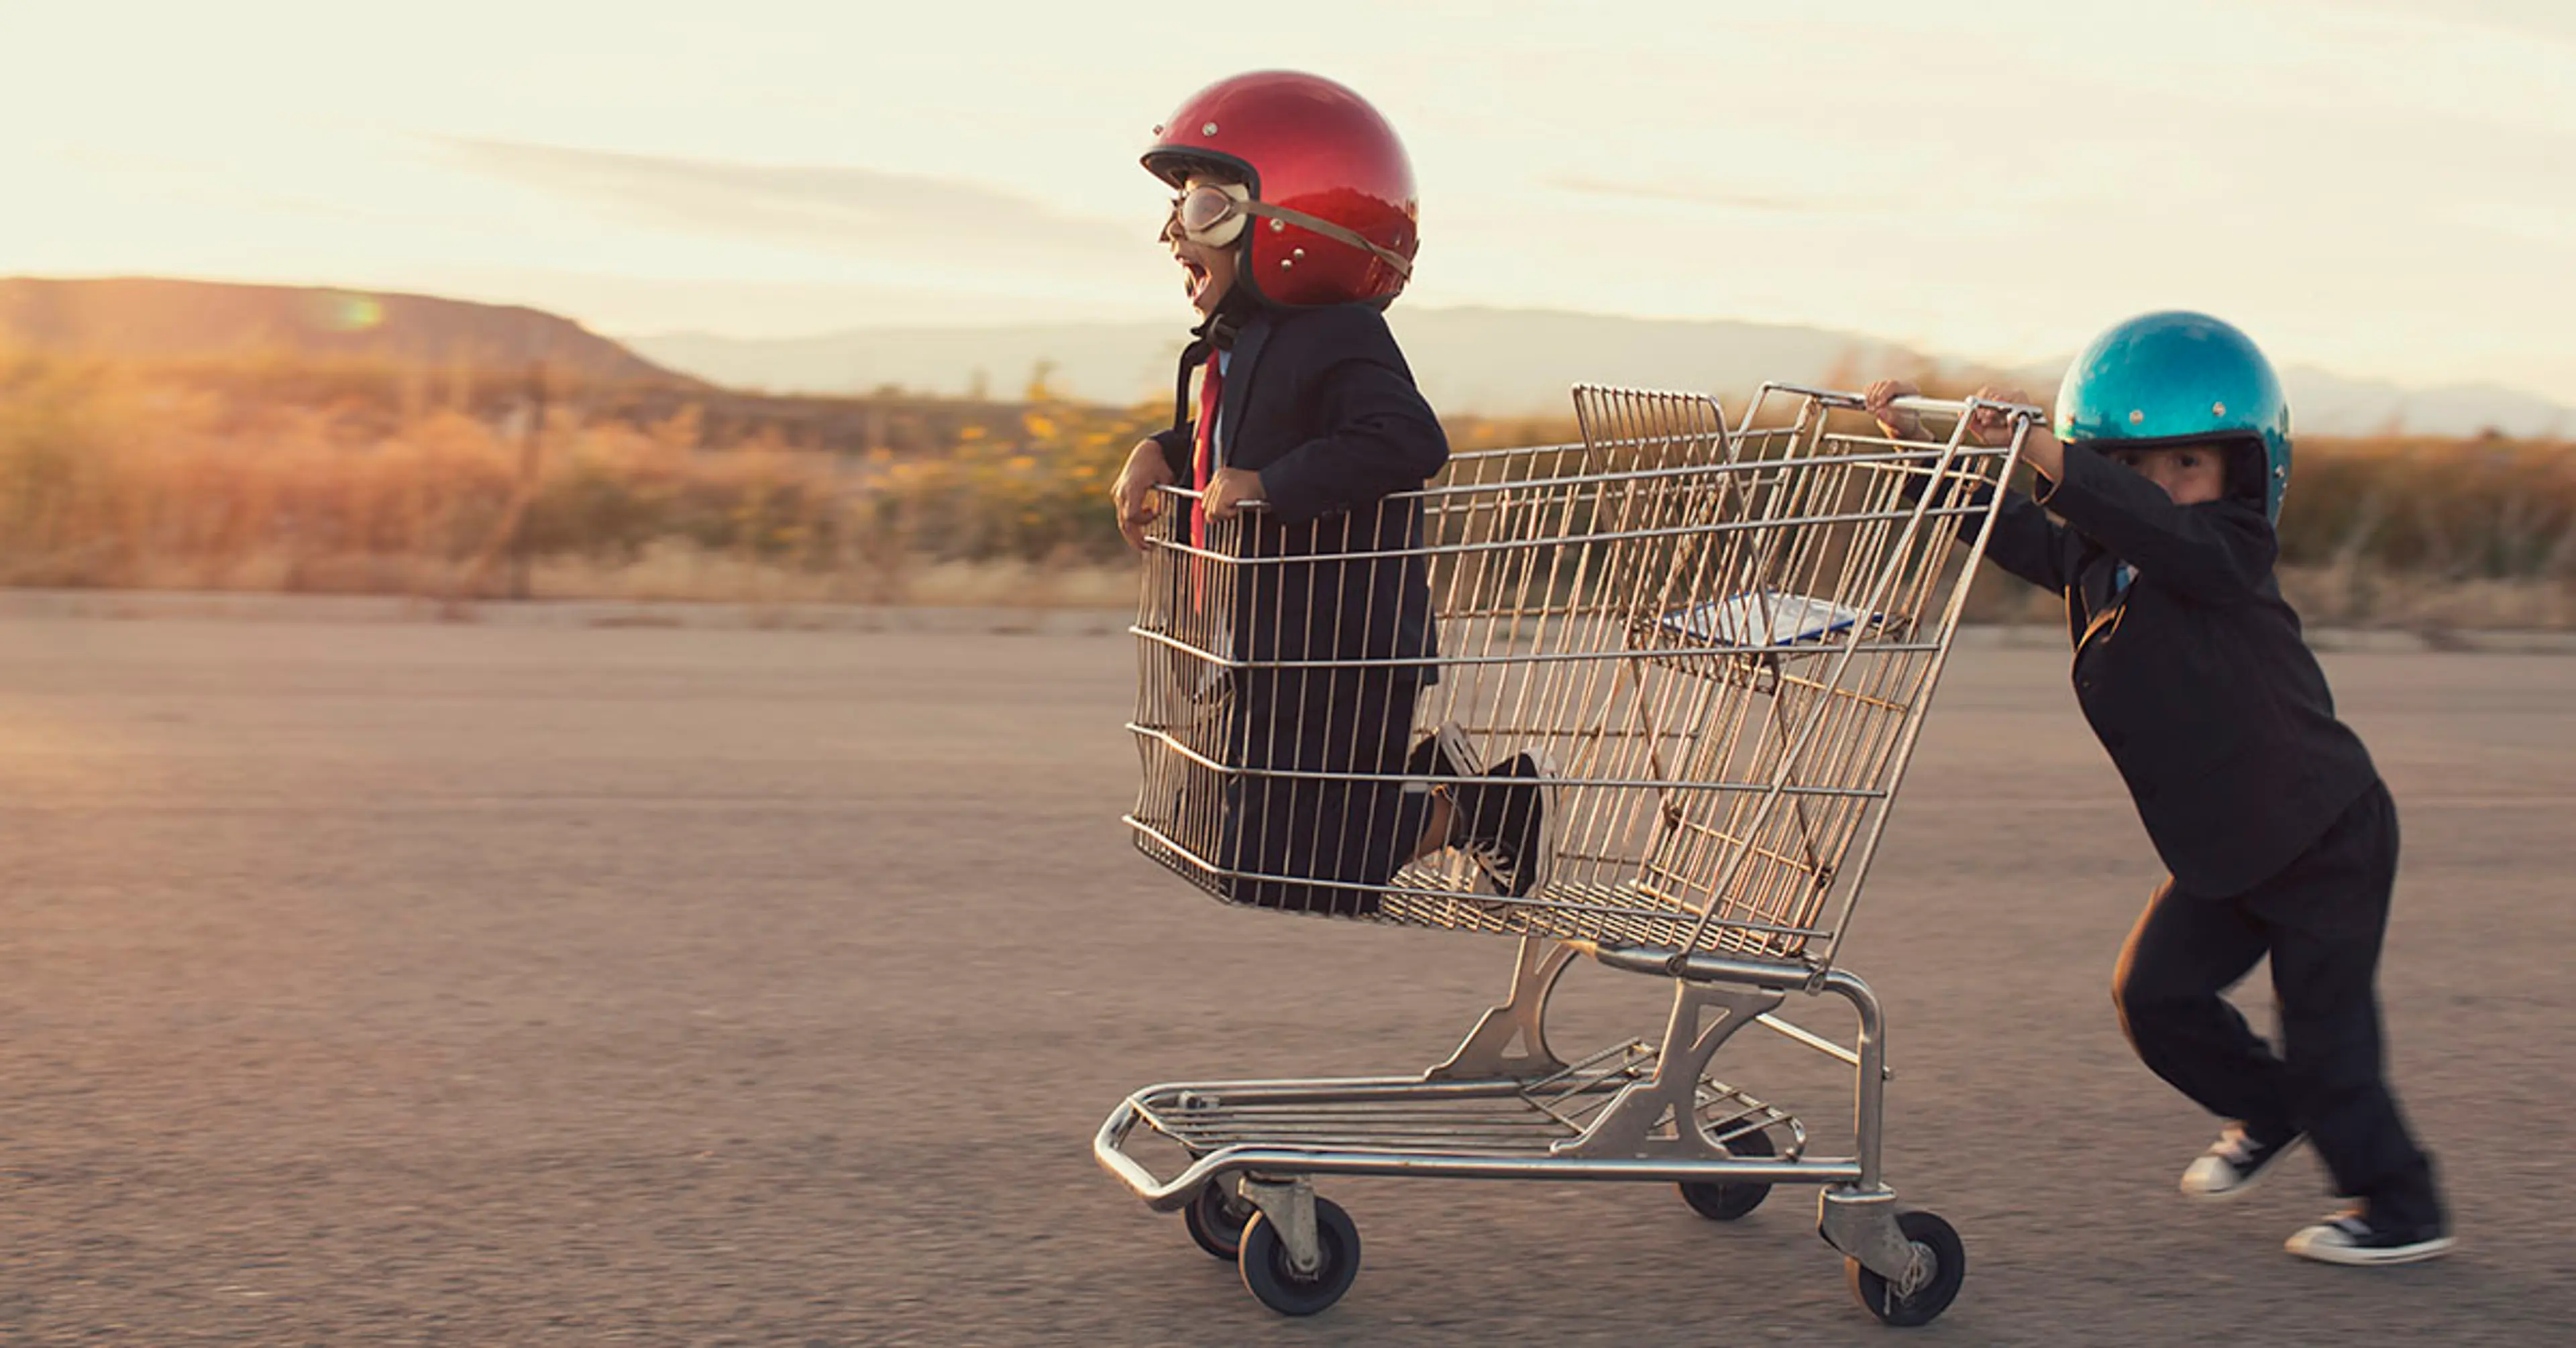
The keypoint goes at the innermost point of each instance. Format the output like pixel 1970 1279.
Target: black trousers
pixel 2321 920
pixel 1326 845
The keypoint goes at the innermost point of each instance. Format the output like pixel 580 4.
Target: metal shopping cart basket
pixel 1707 651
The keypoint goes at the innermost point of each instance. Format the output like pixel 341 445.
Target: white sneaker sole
pixel 1456 752
pixel 2327 1248
pixel 2241 1187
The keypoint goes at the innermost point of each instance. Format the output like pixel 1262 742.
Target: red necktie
pixel 1203 461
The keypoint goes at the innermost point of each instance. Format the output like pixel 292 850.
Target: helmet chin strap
pixel 1232 312
pixel 2247 470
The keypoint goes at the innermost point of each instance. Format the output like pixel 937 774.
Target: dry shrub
pixel 120 476
pixel 275 477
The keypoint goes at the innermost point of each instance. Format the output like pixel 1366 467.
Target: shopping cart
pixel 1715 646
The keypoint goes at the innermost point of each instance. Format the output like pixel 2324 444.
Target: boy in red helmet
pixel 1294 229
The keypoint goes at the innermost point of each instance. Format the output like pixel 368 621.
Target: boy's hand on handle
pixel 2039 449
pixel 1134 493
pixel 1878 398
pixel 1990 426
pixel 1229 490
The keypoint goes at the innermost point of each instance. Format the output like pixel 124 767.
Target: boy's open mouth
pixel 1194 275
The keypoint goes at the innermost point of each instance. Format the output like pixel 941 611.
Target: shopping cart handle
pixel 1193 494
pixel 1917 403
pixel 1960 407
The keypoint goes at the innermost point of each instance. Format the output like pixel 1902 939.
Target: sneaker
pixel 2233 1163
pixel 1508 833
pixel 1445 753
pixel 2352 1238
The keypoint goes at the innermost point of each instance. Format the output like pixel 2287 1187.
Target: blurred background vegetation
pixel 351 476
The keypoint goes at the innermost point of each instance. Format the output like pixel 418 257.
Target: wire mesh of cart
pixel 1646 698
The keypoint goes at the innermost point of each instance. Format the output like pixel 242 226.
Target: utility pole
pixel 531 448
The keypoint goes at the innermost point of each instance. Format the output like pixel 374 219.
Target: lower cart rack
pixel 1466 1119
pixel 1505 1107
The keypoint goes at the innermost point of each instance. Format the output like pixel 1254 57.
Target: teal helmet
pixel 2174 378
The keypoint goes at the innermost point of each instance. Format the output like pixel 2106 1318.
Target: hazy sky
pixel 2381 187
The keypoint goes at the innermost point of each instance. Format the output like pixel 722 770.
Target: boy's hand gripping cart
pixel 1723 640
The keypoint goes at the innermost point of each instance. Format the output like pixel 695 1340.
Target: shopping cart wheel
pixel 1264 1261
pixel 1948 1267
pixel 1214 1223
pixel 1726 1202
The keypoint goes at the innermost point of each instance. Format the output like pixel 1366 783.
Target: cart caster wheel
pixel 1939 1247
pixel 1264 1261
pixel 1726 1202
pixel 1214 1223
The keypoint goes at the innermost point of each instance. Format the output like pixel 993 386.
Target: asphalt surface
pixel 477 985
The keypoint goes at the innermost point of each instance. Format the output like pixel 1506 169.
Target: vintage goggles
pixel 1202 212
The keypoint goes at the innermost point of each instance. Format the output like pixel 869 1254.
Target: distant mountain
pixel 1097 362
pixel 2322 403
pixel 1503 362
pixel 148 319
pixel 1496 362
pixel 1509 362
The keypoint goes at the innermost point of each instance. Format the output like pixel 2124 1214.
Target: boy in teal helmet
pixel 2170 458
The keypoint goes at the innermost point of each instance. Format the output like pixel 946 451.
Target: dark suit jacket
pixel 1322 405
pixel 2196 680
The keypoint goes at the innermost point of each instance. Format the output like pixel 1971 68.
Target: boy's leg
pixel 1376 826
pixel 2187 949
pixel 2328 915
pixel 1244 823
pixel 1439 820
pixel 1333 840
pixel 1268 818
pixel 1442 755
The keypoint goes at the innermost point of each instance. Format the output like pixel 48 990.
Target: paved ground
pixel 500 984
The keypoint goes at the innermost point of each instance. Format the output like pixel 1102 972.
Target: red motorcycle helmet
pixel 1332 202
